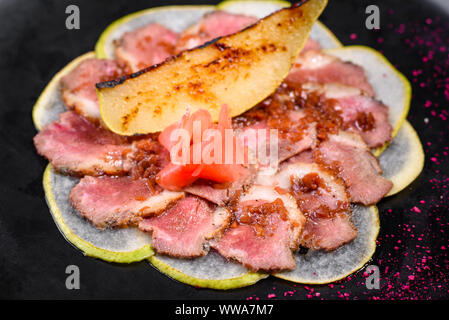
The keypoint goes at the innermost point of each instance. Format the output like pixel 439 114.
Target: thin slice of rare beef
pixel 145 46
pixel 78 86
pixel 322 198
pixel 219 194
pixel 328 234
pixel 317 66
pixel 347 154
pixel 277 123
pixel 266 229
pixel 184 229
pixel 305 156
pixel 260 142
pixel 213 25
pixel 76 146
pixel 361 114
pixel 119 201
pixel 222 193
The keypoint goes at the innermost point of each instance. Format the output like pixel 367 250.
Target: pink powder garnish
pixel 416 209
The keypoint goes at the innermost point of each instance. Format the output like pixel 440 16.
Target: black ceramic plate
pixel 413 246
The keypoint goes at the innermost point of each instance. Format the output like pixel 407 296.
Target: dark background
pixel 413 244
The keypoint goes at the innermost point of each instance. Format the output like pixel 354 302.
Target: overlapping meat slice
pixel 323 199
pixel 213 25
pixel 328 234
pixel 356 165
pixel 78 87
pixel 145 46
pixel 277 115
pixel 76 146
pixel 317 66
pixel 258 140
pixel 183 230
pixel 305 156
pixel 222 193
pixel 119 201
pixel 362 114
pixel 267 228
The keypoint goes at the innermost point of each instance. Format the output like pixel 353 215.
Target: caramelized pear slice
pixel 239 70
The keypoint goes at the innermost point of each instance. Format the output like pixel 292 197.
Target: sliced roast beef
pixel 289 141
pixel 78 87
pixel 119 202
pixel 289 148
pixel 305 156
pixel 267 228
pixel 362 114
pixel 317 66
pixel 213 25
pixel 356 165
pixel 323 199
pixel 222 193
pixel 219 194
pixel 316 189
pixel 183 229
pixel 328 234
pixel 148 157
pixel 77 146
pixel 145 46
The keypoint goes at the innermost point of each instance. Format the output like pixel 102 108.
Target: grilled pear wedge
pixel 239 70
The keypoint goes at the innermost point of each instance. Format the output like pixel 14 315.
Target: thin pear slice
pixel 211 271
pixel 260 9
pixel 239 70
pixel 390 86
pixel 114 245
pixel 320 267
pixel 403 160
